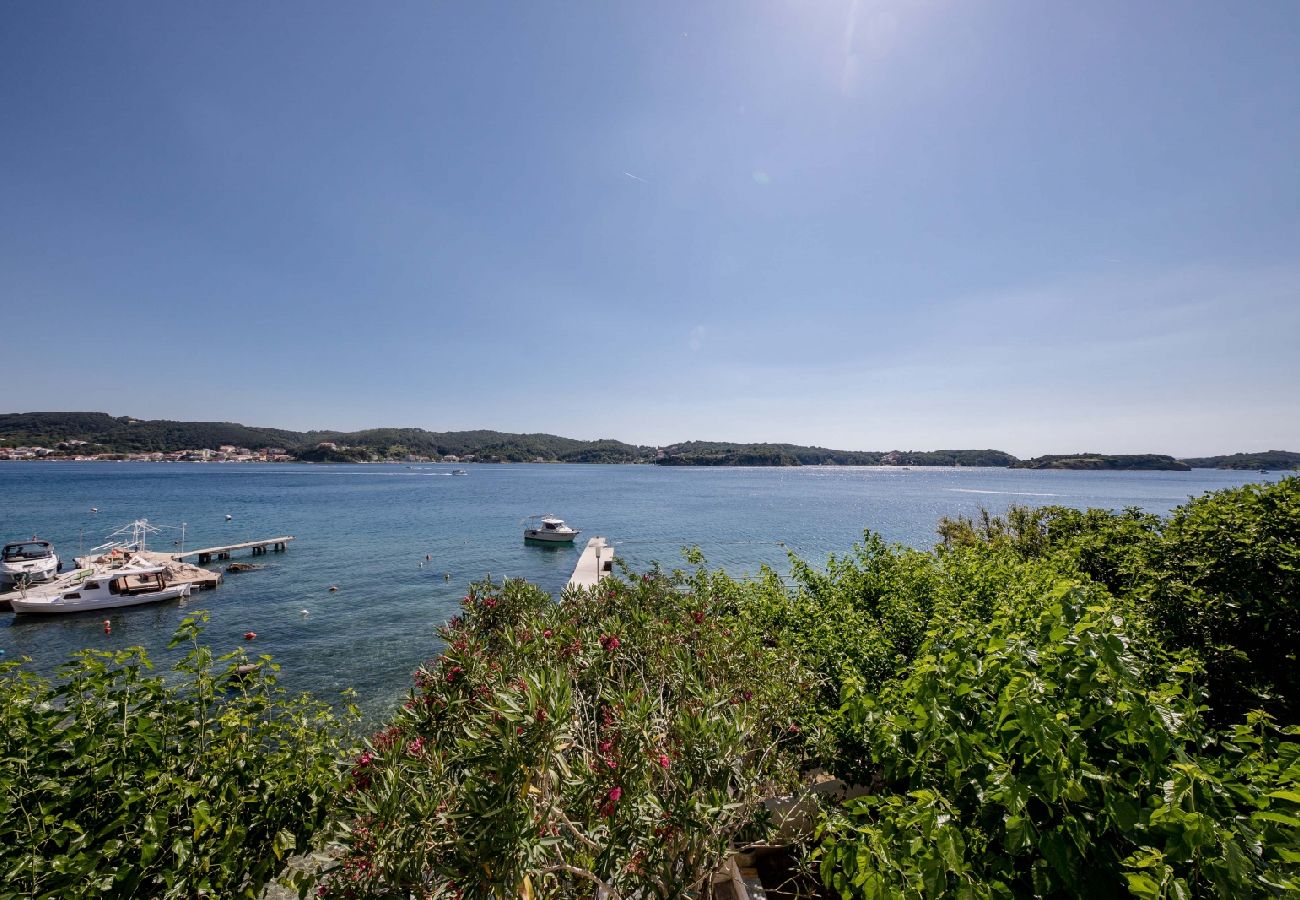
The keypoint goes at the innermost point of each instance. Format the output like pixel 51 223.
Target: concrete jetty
pixel 596 562
pixel 207 554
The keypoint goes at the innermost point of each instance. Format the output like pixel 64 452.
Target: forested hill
pixel 1105 462
pixel 125 434
pixel 103 433
pixel 1273 460
pixel 715 453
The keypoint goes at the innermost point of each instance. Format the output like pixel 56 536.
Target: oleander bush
pixel 120 783
pixel 616 740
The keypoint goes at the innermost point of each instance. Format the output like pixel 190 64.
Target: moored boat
pixel 552 531
pixel 102 589
pixel 28 562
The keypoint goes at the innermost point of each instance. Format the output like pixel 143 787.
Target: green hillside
pixel 1106 462
pixel 1273 460
pixel 128 435
pixel 125 434
pixel 718 453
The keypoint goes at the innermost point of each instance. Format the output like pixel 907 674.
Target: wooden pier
pixel 596 562
pixel 207 554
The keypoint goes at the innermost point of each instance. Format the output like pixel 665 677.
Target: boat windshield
pixel 29 550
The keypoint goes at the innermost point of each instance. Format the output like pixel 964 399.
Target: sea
pixel 402 543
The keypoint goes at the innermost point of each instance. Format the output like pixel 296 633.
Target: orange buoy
pixel 108 626
pixel 249 635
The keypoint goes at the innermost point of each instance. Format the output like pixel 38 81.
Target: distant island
pixel 1105 462
pixel 1270 460
pixel 713 453
pixel 95 435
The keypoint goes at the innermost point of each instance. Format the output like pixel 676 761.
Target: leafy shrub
pixel 1224 582
pixel 1220 577
pixel 617 739
pixel 859 624
pixel 1047 752
pixel 117 783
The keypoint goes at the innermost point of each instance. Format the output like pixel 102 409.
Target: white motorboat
pixel 100 588
pixel 28 562
pixel 553 531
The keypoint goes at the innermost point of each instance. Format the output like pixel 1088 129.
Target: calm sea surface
pixel 368 529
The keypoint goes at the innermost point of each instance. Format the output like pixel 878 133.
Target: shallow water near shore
pixel 368 530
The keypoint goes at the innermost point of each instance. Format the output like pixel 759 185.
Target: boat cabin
pixel 128 584
pixel 27 550
pixel 137 583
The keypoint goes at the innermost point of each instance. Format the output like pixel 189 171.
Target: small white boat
pixel 27 561
pixel 102 589
pixel 459 472
pixel 552 531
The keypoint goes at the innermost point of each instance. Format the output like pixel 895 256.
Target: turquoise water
pixel 369 528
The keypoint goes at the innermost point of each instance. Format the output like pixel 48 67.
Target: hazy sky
pixel 1037 226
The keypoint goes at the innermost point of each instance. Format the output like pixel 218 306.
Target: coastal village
pixel 226 453
pixel 75 450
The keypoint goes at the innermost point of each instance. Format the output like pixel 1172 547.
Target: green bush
pixel 1220 577
pixel 1049 752
pixel 618 739
pixel 119 783
pixel 1224 582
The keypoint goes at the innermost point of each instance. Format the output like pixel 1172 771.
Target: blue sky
pixel 1042 227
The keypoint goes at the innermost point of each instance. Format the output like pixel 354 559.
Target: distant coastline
pixel 90 436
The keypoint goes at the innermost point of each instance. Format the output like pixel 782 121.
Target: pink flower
pixel 664 761
pixel 453 673
pixel 609 643
pixel 416 747
pixel 607 808
pixel 489 603
pixel 698 617
pixel 547 634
